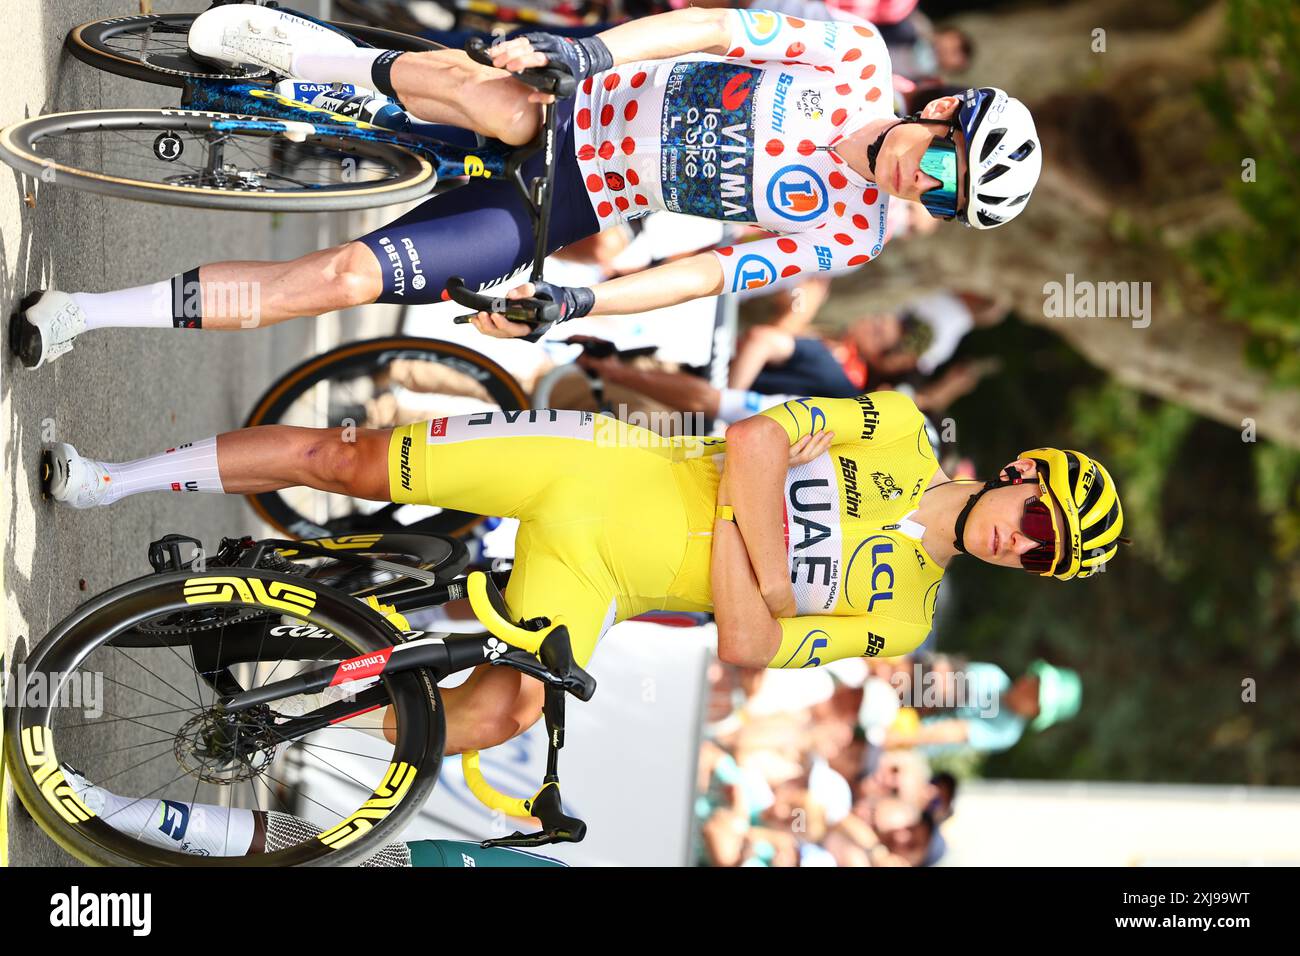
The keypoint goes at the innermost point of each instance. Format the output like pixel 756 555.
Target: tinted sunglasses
pixel 1036 523
pixel 939 162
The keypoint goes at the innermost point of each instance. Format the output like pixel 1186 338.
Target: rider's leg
pixel 345 461
pixel 493 705
pixel 446 86
pixel 239 294
pixel 441 86
pixel 482 234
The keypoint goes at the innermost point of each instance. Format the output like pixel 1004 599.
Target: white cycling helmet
pixel 1003 156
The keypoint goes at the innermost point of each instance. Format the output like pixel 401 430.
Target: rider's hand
pixel 581 56
pixel 810 447
pixel 574 302
pixel 497 325
pixel 516 56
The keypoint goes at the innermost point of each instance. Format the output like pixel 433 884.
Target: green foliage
pixel 1254 269
pixel 1206 597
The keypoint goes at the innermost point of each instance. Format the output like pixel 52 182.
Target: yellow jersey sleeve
pixel 813 640
pixel 873 418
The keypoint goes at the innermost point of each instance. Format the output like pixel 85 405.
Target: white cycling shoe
pixel 240 33
pixel 44 326
pixel 72 479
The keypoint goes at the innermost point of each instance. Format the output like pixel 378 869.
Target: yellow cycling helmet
pixel 1088 499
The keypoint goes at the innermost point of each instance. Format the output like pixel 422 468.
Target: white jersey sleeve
pixel 838 246
pixel 764 36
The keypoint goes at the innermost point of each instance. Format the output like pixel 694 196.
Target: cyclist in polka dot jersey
pixel 747 138
pixel 742 116
pixel 755 117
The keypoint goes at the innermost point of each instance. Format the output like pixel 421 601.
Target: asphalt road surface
pixel 120 394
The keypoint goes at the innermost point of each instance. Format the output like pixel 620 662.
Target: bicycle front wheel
pixel 379 383
pixel 213 161
pixel 152 48
pixel 122 752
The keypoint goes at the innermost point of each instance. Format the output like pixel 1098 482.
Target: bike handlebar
pixel 532 311
pixel 556 80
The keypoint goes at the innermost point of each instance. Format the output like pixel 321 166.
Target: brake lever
pixel 532 311
pixel 556 80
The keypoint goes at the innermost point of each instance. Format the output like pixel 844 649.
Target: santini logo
pixel 103 909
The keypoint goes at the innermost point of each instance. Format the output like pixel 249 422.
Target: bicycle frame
pixel 255 105
pixel 539 648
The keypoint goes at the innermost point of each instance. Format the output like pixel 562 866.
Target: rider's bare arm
pixel 669 284
pixel 659 37
pixel 757 452
pixel 748 635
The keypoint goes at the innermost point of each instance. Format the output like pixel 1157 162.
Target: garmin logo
pixel 406 462
pixel 852 497
pixel 77 909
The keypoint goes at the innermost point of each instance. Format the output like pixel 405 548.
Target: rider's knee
pixel 352 275
pixel 334 459
pixel 516 123
pixel 494 725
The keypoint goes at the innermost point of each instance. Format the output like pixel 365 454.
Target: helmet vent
pixel 989 220
pixel 991 143
pixel 994 173
pixel 992 200
pixel 1025 149
pixel 1018 200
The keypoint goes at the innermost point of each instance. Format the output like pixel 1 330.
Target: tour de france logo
pixel 797 193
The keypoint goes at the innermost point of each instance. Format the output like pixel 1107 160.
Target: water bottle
pixel 349 100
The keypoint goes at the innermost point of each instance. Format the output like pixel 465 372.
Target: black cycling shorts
pixel 480 231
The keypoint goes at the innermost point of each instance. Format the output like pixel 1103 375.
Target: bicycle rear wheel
pixel 151 48
pixel 446 557
pixel 380 383
pixel 213 161
pixel 143 717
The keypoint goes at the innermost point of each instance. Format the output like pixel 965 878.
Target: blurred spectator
pixel 949 316
pixel 984 710
pixel 943 790
pixel 781 779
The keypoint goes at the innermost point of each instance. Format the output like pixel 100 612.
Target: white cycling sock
pixel 345 66
pixel 143 306
pixel 199 828
pixel 173 303
pixel 188 467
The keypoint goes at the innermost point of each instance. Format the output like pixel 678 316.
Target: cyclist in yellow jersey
pixel 817 530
